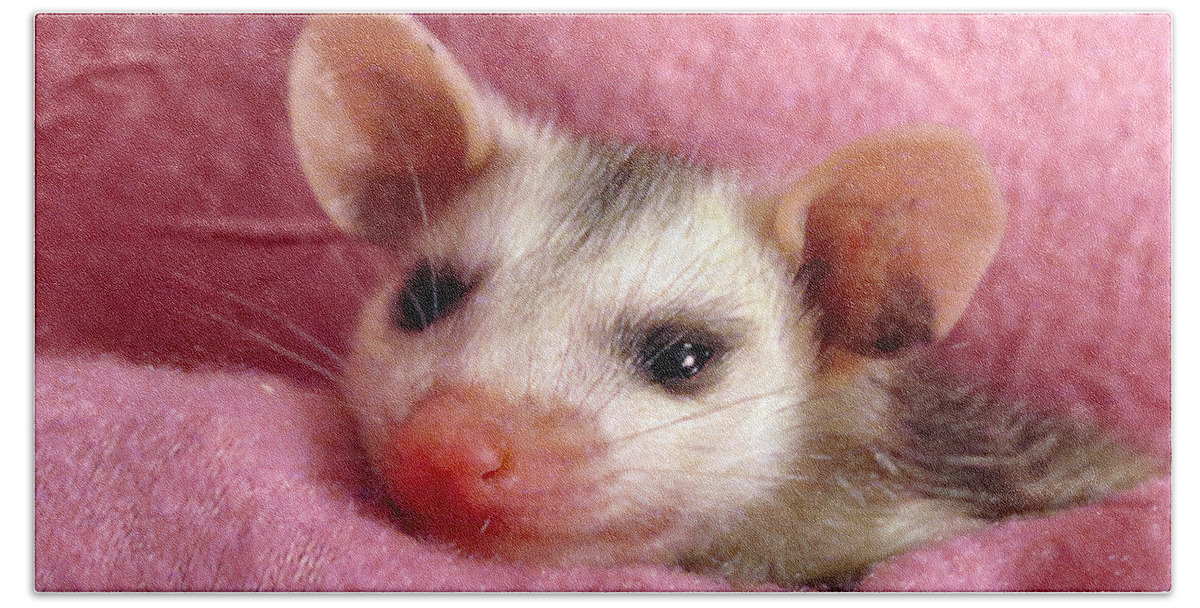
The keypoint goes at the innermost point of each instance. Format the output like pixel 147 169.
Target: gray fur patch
pixel 996 457
pixel 618 186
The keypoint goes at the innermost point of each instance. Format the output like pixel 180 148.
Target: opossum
pixel 597 353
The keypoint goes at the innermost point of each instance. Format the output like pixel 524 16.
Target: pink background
pixel 175 235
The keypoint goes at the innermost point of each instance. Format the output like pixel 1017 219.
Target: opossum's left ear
pixel 895 231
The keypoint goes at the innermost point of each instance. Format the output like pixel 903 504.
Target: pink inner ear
pixel 377 100
pixel 904 223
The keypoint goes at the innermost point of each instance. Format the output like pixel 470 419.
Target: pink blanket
pixel 191 298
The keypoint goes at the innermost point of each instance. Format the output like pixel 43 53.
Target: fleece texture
pixel 191 299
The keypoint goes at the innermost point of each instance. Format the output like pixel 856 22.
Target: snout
pixel 493 475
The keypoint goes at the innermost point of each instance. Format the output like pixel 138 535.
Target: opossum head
pixel 599 353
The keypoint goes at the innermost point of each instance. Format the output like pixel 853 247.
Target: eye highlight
pixel 428 295
pixel 673 356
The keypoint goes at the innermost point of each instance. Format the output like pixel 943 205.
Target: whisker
pixel 724 475
pixel 424 211
pixel 612 397
pixel 696 415
pixel 274 346
pixel 691 273
pixel 679 288
pixel 807 400
pixel 420 310
pixel 300 332
pixel 418 195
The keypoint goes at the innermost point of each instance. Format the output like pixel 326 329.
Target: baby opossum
pixel 596 353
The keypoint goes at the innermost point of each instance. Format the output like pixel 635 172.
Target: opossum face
pixel 594 353
pixel 589 358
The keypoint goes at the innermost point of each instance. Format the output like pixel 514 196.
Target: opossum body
pixel 594 353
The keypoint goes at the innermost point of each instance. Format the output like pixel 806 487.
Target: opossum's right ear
pixel 387 125
pixel 895 232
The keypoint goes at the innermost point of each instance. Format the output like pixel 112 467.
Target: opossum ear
pixel 387 125
pixel 894 232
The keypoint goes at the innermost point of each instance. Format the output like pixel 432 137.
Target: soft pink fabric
pixel 187 436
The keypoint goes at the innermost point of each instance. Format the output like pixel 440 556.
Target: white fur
pixel 537 331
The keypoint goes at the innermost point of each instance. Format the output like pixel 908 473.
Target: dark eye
pixel 428 295
pixel 671 356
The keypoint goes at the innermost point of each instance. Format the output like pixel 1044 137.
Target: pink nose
pixel 473 468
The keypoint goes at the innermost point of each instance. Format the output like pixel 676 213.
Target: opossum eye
pixel 428 295
pixel 672 356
